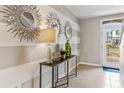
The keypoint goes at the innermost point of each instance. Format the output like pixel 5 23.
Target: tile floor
pixel 94 77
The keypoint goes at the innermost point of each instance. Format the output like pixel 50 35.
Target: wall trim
pixel 90 64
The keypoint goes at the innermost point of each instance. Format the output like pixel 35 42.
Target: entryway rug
pixel 108 69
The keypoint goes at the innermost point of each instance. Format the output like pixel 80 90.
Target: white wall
pixel 65 11
pixel 90 41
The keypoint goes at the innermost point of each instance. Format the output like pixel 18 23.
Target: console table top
pixel 57 62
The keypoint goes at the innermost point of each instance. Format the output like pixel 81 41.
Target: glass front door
pixel 112 34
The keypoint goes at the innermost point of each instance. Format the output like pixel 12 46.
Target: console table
pixel 55 67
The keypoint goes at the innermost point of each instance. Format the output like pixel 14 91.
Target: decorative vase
pixel 68 49
pixel 62 52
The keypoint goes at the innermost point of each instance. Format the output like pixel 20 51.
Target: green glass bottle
pixel 67 49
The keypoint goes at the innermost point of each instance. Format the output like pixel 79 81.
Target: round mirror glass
pixel 27 19
pixel 54 24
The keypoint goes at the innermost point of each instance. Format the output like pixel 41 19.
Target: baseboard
pixel 89 64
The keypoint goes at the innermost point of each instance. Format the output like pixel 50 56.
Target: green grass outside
pixel 113 51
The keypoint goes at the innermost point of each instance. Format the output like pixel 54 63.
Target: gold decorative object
pixel 23 21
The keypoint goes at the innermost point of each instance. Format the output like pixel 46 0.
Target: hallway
pixel 95 77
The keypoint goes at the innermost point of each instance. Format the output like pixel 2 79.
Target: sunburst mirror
pixel 54 22
pixel 68 30
pixel 23 21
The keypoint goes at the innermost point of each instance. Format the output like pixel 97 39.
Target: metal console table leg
pixel 40 84
pixel 67 73
pixel 53 77
pixel 76 65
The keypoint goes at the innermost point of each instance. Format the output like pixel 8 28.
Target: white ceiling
pixel 90 11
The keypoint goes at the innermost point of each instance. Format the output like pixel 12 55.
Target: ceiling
pixel 90 11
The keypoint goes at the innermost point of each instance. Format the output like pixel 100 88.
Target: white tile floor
pixel 94 77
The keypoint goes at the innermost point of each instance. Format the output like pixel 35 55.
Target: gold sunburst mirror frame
pixel 23 21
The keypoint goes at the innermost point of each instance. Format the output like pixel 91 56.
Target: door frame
pixel 102 41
